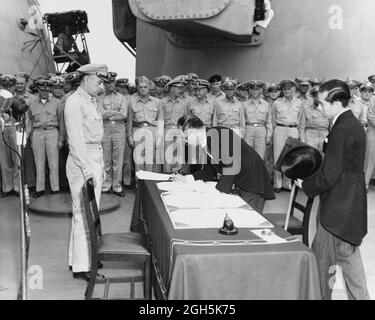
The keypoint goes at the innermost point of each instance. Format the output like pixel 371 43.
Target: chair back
pixel 305 209
pixel 92 214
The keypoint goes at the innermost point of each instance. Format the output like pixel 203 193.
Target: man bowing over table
pixel 225 157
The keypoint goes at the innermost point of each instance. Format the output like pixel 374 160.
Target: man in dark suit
pixel 230 160
pixel 340 182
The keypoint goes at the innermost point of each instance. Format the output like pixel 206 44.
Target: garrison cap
pixel 352 84
pixel 371 78
pixel 201 83
pixel 366 85
pixel 192 77
pixel 99 70
pixel 215 78
pixel 8 80
pixel 229 84
pixel 256 84
pixel 44 84
pixel 111 76
pixel 288 83
pixel 57 81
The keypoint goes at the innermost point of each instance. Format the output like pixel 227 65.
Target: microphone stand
pixel 24 200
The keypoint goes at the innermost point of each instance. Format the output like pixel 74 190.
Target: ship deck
pixel 49 249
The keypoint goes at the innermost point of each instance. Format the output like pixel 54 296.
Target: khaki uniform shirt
pixel 229 113
pixel 45 115
pixel 219 96
pixel 84 125
pixel 113 106
pixel 147 110
pixel 287 112
pixel 173 110
pixel 204 110
pixel 312 118
pixel 259 112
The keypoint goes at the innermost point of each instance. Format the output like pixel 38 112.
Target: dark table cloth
pixel 204 264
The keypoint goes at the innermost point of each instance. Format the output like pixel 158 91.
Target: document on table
pixel 213 218
pixel 148 175
pixel 195 199
pixel 269 236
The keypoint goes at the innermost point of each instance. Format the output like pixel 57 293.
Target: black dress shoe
pixel 86 276
pixel 55 192
pixel 277 190
pixel 120 194
pixel 5 194
pixel 38 194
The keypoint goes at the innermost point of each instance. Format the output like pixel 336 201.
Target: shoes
pixel 100 266
pixel 10 193
pixel 86 276
pixel 107 192
pixel 38 194
pixel 120 194
pixel 55 192
pixel 277 190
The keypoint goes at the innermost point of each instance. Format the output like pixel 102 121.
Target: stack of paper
pixel 148 175
pixel 213 218
pixel 193 199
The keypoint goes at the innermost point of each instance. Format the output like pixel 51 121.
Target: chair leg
pixel 147 279
pixel 305 237
pixel 91 284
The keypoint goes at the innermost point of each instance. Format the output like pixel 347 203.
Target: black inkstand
pixel 228 227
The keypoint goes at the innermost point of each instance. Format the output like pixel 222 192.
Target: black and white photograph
pixel 195 150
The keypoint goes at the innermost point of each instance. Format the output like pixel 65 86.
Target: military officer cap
pixel 256 84
pixel 183 78
pixel 58 81
pixel 287 83
pixel 22 75
pixel 366 85
pixel 161 81
pixel 75 78
pixel 244 86
pixel 44 84
pixel 177 81
pixel 371 78
pixel 315 82
pixel 229 83
pixel 122 83
pixel 192 77
pixel 7 80
pixel 99 70
pixel 215 78
pixel 352 84
pixel 273 87
pixel 111 75
pixel 201 83
pixel 304 82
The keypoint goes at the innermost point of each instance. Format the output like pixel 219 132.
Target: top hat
pixel 298 160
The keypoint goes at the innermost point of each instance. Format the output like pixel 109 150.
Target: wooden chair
pixel 118 247
pixel 294 226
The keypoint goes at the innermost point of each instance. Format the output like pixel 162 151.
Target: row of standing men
pixel 264 115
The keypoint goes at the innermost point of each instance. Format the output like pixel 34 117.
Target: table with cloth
pixel 204 264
